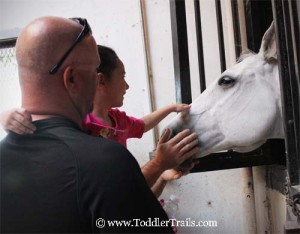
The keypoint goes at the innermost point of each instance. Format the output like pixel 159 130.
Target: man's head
pixel 57 60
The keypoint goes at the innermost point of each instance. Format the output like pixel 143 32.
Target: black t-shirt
pixel 60 179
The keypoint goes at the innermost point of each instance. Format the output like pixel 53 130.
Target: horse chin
pixel 240 149
pixel 248 148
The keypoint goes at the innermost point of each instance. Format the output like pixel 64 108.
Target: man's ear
pixel 69 79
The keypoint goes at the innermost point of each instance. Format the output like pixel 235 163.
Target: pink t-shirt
pixel 125 126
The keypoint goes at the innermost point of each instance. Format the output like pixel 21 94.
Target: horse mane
pixel 245 53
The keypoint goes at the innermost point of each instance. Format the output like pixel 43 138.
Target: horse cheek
pixel 257 122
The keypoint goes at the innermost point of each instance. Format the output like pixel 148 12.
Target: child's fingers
pixel 23 112
pixel 19 128
pixel 25 118
pixel 30 128
pixel 177 176
pixel 183 107
pixel 23 122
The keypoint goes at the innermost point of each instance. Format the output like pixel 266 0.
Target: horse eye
pixel 226 81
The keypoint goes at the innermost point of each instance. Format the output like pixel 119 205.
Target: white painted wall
pixel 223 196
pixel 161 51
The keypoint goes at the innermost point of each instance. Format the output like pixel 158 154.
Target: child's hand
pixel 174 174
pixel 171 174
pixel 17 120
pixel 182 107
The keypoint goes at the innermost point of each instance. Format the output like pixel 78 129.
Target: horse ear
pixel 268 44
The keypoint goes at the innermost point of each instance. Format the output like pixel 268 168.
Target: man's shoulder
pixel 110 152
pixel 82 141
pixel 103 158
pixel 90 149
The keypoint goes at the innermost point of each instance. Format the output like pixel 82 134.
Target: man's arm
pixel 152 119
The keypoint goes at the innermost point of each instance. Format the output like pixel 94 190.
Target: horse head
pixel 241 109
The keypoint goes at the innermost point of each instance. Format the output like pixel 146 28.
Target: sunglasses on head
pixel 85 30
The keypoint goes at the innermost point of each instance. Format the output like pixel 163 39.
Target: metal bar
pixel 293 67
pixel 220 35
pixel 200 46
pixel 270 153
pixel 181 53
pixel 175 51
pixel 295 9
pixel 236 27
pixel 258 20
pixel 249 24
pixel 286 70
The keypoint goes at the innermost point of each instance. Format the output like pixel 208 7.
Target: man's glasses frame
pixel 85 30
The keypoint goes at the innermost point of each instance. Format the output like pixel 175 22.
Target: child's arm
pixel 155 117
pixel 169 175
pixel 162 181
pixel 17 120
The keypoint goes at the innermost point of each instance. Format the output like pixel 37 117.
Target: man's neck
pixel 41 117
pixel 36 117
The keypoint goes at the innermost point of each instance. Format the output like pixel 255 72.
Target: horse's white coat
pixel 241 109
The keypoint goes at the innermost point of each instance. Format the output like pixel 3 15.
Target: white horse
pixel 242 108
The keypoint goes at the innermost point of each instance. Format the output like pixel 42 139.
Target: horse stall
pixel 184 51
pixel 271 172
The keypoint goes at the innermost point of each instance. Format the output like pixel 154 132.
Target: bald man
pixel 59 179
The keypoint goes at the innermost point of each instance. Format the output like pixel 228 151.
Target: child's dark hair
pixel 108 59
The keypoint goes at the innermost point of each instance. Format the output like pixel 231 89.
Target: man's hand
pixel 172 153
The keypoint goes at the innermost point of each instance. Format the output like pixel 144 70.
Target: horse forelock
pixel 245 54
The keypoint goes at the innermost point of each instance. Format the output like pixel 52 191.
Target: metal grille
pixel 8 67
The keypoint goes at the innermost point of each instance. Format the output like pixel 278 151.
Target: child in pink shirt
pixel 109 95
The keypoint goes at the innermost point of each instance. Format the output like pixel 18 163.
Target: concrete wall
pixel 226 197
